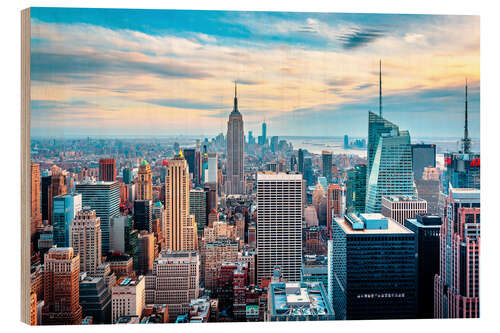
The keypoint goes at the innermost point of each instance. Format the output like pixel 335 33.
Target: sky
pixel 112 72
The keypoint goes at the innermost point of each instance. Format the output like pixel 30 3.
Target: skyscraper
pixel 107 169
pixel 127 175
pixel 372 269
pixel 462 169
pixel 356 189
pixel 235 171
pixel 391 170
pixel 57 187
pixel 65 208
pixel 211 177
pixel 301 160
pixel 308 171
pixel 198 207
pixel 326 159
pixel 346 141
pixel 335 203
pixel 422 155
pixel 456 288
pixel 181 226
pixel 104 198
pixel 190 156
pixel 85 239
pixel 144 186
pixel 175 280
pixel 36 212
pixel 143 215
pixel 61 288
pixel 427 229
pixel 377 126
pixel 145 251
pixel 279 224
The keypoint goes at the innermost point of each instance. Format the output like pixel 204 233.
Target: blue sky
pixel 164 72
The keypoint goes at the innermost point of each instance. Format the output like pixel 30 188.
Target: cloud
pixel 359 37
pixel 364 86
pixel 184 104
pixel 50 66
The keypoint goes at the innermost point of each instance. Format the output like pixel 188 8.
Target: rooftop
pixel 299 299
pixel 352 224
pixel 403 198
pixel 278 176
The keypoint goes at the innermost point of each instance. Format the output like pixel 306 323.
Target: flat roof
pixel 299 299
pixel 393 227
pixel 278 176
pixel 402 198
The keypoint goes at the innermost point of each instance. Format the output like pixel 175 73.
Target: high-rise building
pixel 356 189
pixel 212 197
pixel 143 215
pixel 214 253
pixel 181 232
pixel 85 239
pixel 427 229
pixel 400 208
pixel 45 184
pixel 122 235
pixel 36 212
pixel 107 169
pixel 372 269
pixel 65 208
pixel 235 156
pixel 160 214
pixel 422 155
pixel 308 171
pixel 212 168
pixel 335 203
pixel 326 163
pixel 127 175
pixel 190 156
pixel 391 171
pixel 300 157
pixel 279 224
pixel 57 187
pixel 104 198
pixel 428 188
pixel 377 126
pixel 174 281
pixel 95 299
pixel 144 184
pixel 128 298
pixel 61 289
pixel 346 141
pixel 274 144
pixel 456 288
pixel 462 169
pixel 145 251
pixel 198 207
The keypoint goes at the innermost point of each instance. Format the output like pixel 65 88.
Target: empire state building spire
pixel 235 108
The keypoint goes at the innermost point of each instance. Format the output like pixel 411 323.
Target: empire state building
pixel 235 177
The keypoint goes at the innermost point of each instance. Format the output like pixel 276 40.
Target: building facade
pixel 128 298
pixel 235 156
pixel 65 207
pixel 372 270
pixel 144 184
pixel 279 224
pixel 456 288
pixel 85 239
pixel 400 208
pixel 104 198
pixel 107 169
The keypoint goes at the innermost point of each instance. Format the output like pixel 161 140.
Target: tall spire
pixel 380 89
pixel 235 108
pixel 466 140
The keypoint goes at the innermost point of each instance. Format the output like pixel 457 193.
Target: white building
pixel 174 281
pixel 279 224
pixel 85 239
pixel 128 298
pixel 211 173
pixel 403 207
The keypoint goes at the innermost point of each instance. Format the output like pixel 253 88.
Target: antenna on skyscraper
pixel 466 140
pixel 380 88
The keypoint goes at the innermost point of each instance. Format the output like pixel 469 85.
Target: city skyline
pixel 114 72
